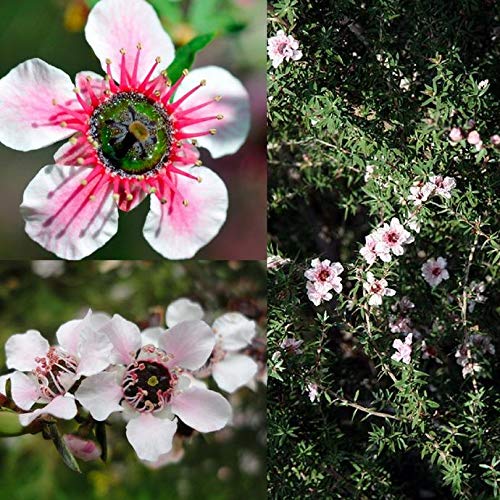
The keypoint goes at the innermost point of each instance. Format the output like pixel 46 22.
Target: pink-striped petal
pixel 67 215
pixel 179 228
pixel 125 337
pixel 26 105
pixel 24 390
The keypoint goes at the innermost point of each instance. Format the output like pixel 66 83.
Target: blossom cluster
pixel 282 47
pixel 323 277
pixel 157 379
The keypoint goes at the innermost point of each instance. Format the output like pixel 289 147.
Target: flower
pixel 369 252
pixel 420 193
pixel 318 292
pixel 47 268
pixel 313 393
pixel 151 382
pixel 495 140
pixel 275 262
pixel 476 294
pixel 392 237
pixel 369 171
pixel 324 272
pixel 442 186
pixel 130 136
pixel 229 366
pixel 282 47
pixel 455 134
pixel 403 350
pixel 85 449
pixel 376 288
pixel 291 345
pixel 473 138
pixel 434 271
pixel 44 374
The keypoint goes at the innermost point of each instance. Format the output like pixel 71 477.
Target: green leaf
pixel 91 3
pixel 169 9
pixel 100 434
pixel 53 433
pixel 213 16
pixel 186 54
pixel 9 424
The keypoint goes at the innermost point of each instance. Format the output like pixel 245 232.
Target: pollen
pixel 153 381
pixel 185 203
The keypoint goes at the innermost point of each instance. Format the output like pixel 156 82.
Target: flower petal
pixel 183 310
pixel 190 343
pixel 125 337
pixel 66 217
pixel 69 153
pixel 177 231
pixel 60 407
pixel 234 106
pixel 94 352
pixel 151 436
pixel 234 371
pixel 114 25
pixel 26 105
pixel 152 336
pixel 235 330
pixel 24 390
pixel 203 410
pixel 21 350
pixel 100 394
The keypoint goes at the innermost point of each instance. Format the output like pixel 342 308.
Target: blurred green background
pixel 53 31
pixel 228 464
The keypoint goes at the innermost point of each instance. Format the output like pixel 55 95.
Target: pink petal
pixel 152 336
pixel 177 231
pixel 125 337
pixel 24 390
pixel 183 310
pixel 114 25
pixel 100 395
pixel 203 410
pixel 68 153
pixel 21 350
pixel 94 352
pixel 190 343
pixel 60 407
pixel 68 218
pixel 68 334
pixel 26 105
pixel 235 330
pixel 234 371
pixel 233 129
pixel 84 449
pixel 151 436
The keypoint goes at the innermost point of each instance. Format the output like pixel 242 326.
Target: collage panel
pixel 132 379
pixel 132 129
pixel 383 249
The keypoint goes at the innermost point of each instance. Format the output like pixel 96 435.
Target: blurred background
pixel 41 295
pixel 53 30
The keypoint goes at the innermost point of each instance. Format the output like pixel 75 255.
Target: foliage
pixel 382 83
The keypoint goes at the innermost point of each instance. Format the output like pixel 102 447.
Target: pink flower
pixel 369 250
pixel 420 193
pixel 44 374
pixel 442 185
pixel 130 135
pixel 233 333
pixel 455 134
pixel 434 271
pixel 403 350
pixel 324 272
pixel 282 47
pixel 392 237
pixel 85 449
pixel 473 137
pixel 318 292
pixel 312 391
pixel 152 384
pixel 376 289
pixel 495 140
pixel 291 345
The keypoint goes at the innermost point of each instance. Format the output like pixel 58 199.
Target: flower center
pixel 147 385
pixel 133 134
pixel 436 271
pixel 324 275
pixel 55 372
pixel 392 237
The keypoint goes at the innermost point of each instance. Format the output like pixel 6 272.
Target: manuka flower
pixel 403 349
pixel 283 47
pixel 151 382
pixel 376 289
pixel 45 374
pixel 434 271
pixel 132 134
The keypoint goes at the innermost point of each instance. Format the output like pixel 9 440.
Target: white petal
pixel 21 350
pixel 234 371
pixel 62 217
pixel 177 231
pixel 60 407
pixel 94 351
pixel 125 337
pixel 100 395
pixel 233 129
pixel 68 334
pixel 3 383
pixel 152 336
pixel 183 310
pixel 235 330
pixel 24 390
pixel 190 343
pixel 205 411
pixel 114 25
pixel 26 96
pixel 151 436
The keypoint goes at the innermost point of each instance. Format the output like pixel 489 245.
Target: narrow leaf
pixel 53 433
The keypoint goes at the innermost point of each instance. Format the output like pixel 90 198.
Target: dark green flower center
pixel 133 134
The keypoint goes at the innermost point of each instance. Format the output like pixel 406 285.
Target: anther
pixel 220 117
pixel 158 59
pixel 92 197
pixel 76 90
pixel 80 160
pixel 73 141
pixel 130 197
pixel 217 98
pixel 185 72
pixel 185 203
pixel 152 190
pixel 123 52
pixel 212 131
pixel 84 182
pixel 116 197
pixel 194 142
pixel 108 61
pixel 198 163
pixel 64 124
pixel 139 46
pixel 54 102
pixel 199 179
pixel 163 201
pixel 203 83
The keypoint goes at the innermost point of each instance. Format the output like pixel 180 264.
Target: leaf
pixel 53 433
pixel 100 434
pixel 9 424
pixel 185 55
pixel 168 9
pixel 213 16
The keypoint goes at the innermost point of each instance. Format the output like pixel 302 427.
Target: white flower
pixel 376 288
pixel 48 268
pixel 403 350
pixel 282 47
pixel 326 273
pixel 392 236
pixel 420 193
pixel 313 392
pixel 434 271
pixel 442 185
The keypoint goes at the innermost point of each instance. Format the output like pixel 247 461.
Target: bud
pixel 85 449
